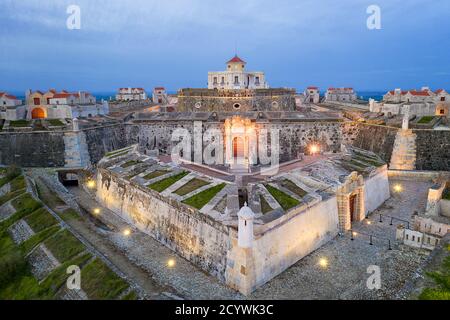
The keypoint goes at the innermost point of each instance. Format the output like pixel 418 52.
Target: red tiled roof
pixel 236 59
pixel 439 91
pixel 9 96
pixel 160 88
pixel 313 88
pixel 419 93
pixel 1 94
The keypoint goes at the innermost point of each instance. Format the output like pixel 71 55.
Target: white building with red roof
pixel 63 105
pixel 236 77
pixel 131 94
pixel 415 96
pixel 11 108
pixel 340 95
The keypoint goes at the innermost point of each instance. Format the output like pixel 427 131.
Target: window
pixel 215 80
pixel 37 101
pixel 237 106
pixel 442 98
pixel 442 111
pixel 407 237
pixel 418 239
pixel 222 81
pixel 257 81
pixel 429 240
pixel 236 80
pixel 413 238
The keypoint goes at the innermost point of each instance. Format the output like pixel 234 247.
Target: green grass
pixel 156 174
pixel 426 119
pixel 441 279
pixel 265 207
pixel 165 183
pixel 50 198
pixel 24 205
pixel 288 184
pixel 10 173
pixel 19 123
pixel 70 215
pixel 64 245
pixel 100 283
pixel 199 200
pixel 192 185
pixel 37 238
pixel 285 201
pixel 40 219
pixel 130 163
pixel 10 195
pixel 56 123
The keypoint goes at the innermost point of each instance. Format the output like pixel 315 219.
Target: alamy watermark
pixel 374 281
pixel 374 20
pixel 74 280
pixel 73 22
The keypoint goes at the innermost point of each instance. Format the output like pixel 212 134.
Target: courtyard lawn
pixel 288 184
pixel 156 174
pixel 162 185
pixel 426 119
pixel 100 283
pixel 20 123
pixel 201 199
pixel 192 185
pixel 130 163
pixel 56 123
pixel 285 201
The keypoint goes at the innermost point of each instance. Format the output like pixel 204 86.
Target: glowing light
pixel 97 211
pixel 313 149
pixel 171 263
pixel 126 232
pixel 369 222
pixel 398 188
pixel 323 262
pixel 91 184
pixel 355 234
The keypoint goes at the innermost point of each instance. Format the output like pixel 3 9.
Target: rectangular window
pixel 442 98
pixel 413 238
pixel 215 80
pixel 407 237
pixel 37 101
pixel 236 80
pixel 442 111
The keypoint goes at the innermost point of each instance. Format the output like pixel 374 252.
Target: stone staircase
pixel 404 152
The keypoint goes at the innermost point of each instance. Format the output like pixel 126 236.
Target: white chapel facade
pixel 235 77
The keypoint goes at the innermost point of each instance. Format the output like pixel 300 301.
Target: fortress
pixel 233 218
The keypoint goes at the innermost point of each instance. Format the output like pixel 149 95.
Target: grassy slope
pixel 201 199
pixel 162 185
pixel 285 201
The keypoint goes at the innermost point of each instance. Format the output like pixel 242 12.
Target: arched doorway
pixel 38 113
pixel 238 148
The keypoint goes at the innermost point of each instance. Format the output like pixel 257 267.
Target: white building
pixel 410 96
pixel 340 95
pixel 63 105
pixel 235 77
pixel 7 100
pixel 160 96
pixel 312 95
pixel 11 108
pixel 131 94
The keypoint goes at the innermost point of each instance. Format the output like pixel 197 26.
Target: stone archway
pixel 238 148
pixel 350 198
pixel 38 113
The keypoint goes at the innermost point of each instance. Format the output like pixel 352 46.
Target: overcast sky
pixel 174 43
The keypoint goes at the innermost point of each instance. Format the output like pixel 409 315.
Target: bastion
pixel 243 234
